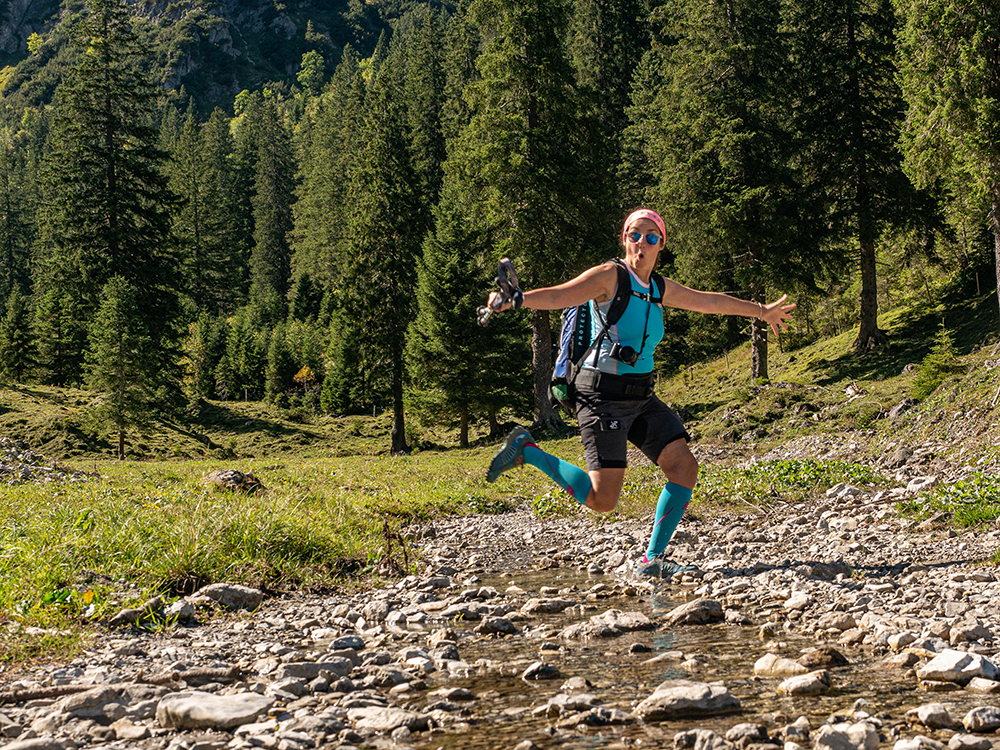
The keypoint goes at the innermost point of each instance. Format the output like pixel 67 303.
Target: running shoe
pixel 510 455
pixel 660 567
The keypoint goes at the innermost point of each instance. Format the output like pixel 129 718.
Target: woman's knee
pixel 679 464
pixel 602 502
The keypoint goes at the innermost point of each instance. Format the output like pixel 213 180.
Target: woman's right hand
pixel 497 302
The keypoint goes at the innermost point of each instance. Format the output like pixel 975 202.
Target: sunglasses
pixel 652 239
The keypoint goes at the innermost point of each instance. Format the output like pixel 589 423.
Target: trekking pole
pixel 510 291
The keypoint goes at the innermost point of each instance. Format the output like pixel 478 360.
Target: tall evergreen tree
pixel 17 352
pixel 718 145
pixel 201 222
pixel 526 162
pixel 378 289
pixel 17 220
pixel 847 110
pixel 108 210
pixel 459 368
pixel 319 236
pixel 221 201
pixel 121 360
pixel 950 75
pixel 60 332
pixel 272 216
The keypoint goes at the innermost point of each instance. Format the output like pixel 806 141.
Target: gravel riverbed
pixel 829 624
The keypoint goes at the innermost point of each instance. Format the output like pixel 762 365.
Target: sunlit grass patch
pixel 767 482
pixel 972 502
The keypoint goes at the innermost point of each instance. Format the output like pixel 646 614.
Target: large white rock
pixel 385 719
pixel 844 736
pixel 814 683
pixel 200 710
pixel 678 699
pixel 772 665
pixel 957 666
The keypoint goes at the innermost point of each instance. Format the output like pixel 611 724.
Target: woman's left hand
pixel 777 313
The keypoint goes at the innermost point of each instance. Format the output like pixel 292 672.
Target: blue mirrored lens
pixel 652 239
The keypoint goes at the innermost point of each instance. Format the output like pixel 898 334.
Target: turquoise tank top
pixel 640 318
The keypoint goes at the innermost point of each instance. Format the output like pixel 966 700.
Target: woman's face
pixel 641 255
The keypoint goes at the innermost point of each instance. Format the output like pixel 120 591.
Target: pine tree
pixel 60 333
pixel 526 161
pixel 201 224
pixel 457 367
pixel 951 82
pixel 379 284
pixel 272 215
pixel 720 150
pixel 221 202
pixel 17 218
pixel 318 236
pixel 16 345
pixel 108 210
pixel 847 110
pixel 120 359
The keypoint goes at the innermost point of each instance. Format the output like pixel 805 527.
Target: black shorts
pixel 607 425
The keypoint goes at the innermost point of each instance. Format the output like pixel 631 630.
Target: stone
pixel 682 699
pixel 772 665
pixel 232 596
pixel 962 741
pixel 545 606
pixel 127 731
pixel 610 624
pixel 539 670
pixel 745 734
pixel 844 736
pixel 310 670
pixel 932 716
pixel 958 667
pixel 982 720
pixel 386 719
pixel 920 742
pixel 231 479
pixel 699 739
pixel 813 683
pixel 200 710
pixel 41 743
pixel 697 612
pixel 824 657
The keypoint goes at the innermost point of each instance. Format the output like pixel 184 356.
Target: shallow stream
pixel 504 714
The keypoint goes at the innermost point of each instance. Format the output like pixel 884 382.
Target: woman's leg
pixel 681 469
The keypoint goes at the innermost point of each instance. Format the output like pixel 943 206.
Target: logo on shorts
pixel 612 424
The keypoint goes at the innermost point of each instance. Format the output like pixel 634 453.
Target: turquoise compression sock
pixel 571 478
pixel 669 509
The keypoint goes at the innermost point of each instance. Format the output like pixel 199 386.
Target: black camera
pixel 625 354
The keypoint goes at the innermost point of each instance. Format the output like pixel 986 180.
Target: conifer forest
pixel 312 218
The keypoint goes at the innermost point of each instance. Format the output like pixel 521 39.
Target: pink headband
pixel 645 213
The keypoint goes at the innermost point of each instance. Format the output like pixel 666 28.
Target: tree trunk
pixel 494 424
pixel 541 366
pixel 758 341
pixel 398 438
pixel 995 221
pixel 121 444
pixel 869 336
pixel 463 430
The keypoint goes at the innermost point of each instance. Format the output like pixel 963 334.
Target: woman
pixel 615 400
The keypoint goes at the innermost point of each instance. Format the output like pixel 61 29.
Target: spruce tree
pixel 719 146
pixel 16 344
pixel 459 369
pixel 384 243
pixel 108 205
pixel 318 236
pixel 527 164
pixel 272 216
pixel 120 360
pixel 847 113
pixel 950 77
pixel 17 220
